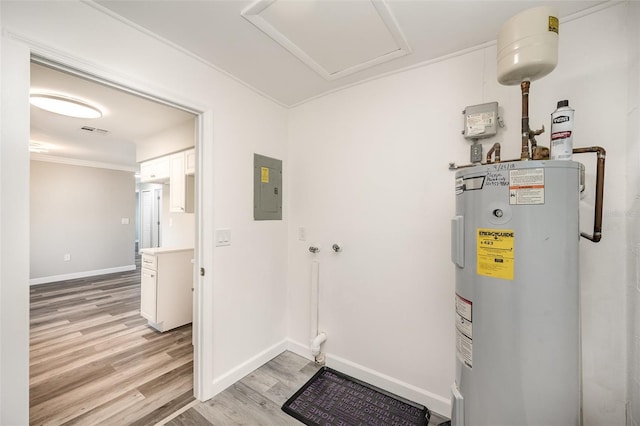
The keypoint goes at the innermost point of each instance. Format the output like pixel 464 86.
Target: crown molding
pixel 84 163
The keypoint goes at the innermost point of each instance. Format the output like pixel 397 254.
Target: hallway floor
pixel 257 398
pixel 94 359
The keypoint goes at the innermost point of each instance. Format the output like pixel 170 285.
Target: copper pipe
pixel 597 219
pixel 495 148
pixel 524 87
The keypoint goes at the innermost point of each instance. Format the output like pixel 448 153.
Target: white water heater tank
pixel 528 46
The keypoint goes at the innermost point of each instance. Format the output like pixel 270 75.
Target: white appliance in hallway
pixel 515 240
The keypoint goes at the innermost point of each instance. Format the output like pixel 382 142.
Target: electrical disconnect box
pixel 267 188
pixel 480 121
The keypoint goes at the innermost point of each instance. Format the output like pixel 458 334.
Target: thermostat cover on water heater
pixel 480 121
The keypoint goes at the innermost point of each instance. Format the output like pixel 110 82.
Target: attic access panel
pixel 267 188
pixel 334 38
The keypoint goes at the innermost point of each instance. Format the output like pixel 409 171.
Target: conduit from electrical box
pixel 316 338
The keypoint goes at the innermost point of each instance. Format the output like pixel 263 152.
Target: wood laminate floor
pixel 94 360
pixel 257 398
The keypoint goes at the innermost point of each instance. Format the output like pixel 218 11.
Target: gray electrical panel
pixel 480 121
pixel 267 188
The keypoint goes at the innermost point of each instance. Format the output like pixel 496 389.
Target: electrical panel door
pixel 267 188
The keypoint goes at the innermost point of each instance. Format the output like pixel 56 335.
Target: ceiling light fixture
pixel 64 105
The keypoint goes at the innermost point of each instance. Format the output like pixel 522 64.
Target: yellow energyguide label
pixel 264 174
pixel 554 24
pixel 495 253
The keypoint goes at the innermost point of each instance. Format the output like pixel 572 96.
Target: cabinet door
pixel 155 170
pixel 148 294
pixel 177 190
pixel 146 171
pixel 190 162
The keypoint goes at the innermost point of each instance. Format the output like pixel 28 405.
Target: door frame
pixel 204 151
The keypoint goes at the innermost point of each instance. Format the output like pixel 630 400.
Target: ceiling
pixel 290 51
pixel 216 31
pixel 127 119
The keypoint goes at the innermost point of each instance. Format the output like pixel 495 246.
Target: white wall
pixel 174 139
pixel 78 210
pixel 176 229
pixel 368 168
pixel 14 228
pixel 246 322
pixel 633 216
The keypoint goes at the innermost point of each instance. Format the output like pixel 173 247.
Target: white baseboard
pixel 433 402
pixel 232 376
pixel 300 349
pixel 83 274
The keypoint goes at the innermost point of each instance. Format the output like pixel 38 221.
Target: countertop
pixel 160 250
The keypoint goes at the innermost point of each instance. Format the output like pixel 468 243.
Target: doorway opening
pixel 150 210
pixel 87 336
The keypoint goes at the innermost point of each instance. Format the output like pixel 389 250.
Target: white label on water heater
pixel 465 327
pixel 526 186
pixel 464 348
pixel 464 330
pixel 459 186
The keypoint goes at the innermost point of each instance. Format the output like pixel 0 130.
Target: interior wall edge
pixel 14 225
pixel 299 349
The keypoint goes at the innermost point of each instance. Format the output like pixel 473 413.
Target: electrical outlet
pixel 302 234
pixel 476 153
pixel 67 257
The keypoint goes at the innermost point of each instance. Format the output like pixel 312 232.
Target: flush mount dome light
pixel 64 105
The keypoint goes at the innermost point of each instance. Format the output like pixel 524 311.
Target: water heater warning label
pixel 526 186
pixel 464 330
pixel 495 253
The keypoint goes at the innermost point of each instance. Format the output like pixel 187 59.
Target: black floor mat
pixel 333 398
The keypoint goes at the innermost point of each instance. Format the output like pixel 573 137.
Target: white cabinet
pixel 148 286
pixel 190 162
pixel 181 188
pixel 155 170
pixel 166 287
pixel 177 189
pixel 178 169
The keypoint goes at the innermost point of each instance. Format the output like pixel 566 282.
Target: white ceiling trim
pixel 253 14
pixel 398 71
pixel 180 49
pixel 85 163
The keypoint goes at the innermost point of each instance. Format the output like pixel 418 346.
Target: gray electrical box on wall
pixel 480 121
pixel 267 188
